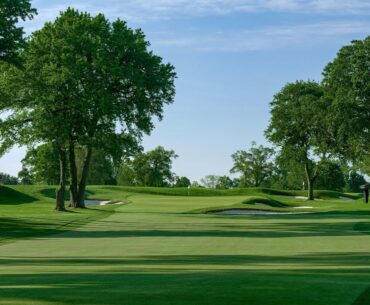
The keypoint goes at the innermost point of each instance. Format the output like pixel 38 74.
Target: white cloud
pixel 263 38
pixel 147 10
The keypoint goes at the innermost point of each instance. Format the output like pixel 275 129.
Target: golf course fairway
pixel 158 249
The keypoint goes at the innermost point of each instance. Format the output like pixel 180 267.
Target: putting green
pixel 157 250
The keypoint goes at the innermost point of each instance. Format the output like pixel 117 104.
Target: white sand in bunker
pixel 306 198
pixel 254 212
pixel 99 202
pixel 345 198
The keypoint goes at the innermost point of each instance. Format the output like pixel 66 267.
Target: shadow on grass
pixel 204 262
pixel 165 286
pixel 35 227
pixel 11 196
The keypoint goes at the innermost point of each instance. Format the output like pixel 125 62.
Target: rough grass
pixel 156 250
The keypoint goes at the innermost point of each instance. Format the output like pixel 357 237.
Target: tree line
pixel 82 91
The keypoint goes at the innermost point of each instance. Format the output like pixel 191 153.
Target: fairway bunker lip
pixel 253 212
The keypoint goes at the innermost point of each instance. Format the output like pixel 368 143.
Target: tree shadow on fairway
pixel 36 227
pixel 12 197
pixel 100 229
pixel 165 287
pixel 204 262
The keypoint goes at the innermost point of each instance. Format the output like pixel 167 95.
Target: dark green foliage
pixel 225 182
pixel 254 165
pixel 299 127
pixel 153 168
pixel 88 83
pixel 353 182
pixel 347 85
pixel 8 179
pixel 182 182
pixel 331 177
pixel 41 165
pixel 11 34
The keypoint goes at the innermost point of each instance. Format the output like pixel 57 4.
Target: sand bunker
pixel 305 198
pixel 303 207
pixel 99 202
pixel 261 204
pixel 253 212
pixel 346 198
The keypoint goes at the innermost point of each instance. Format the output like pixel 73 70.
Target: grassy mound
pixel 11 196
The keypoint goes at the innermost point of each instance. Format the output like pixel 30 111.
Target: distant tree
pixel 195 184
pixel 331 176
pixel 347 85
pixel 210 181
pixel 182 182
pixel 288 173
pixel 8 179
pixel 153 168
pixel 11 34
pixel 353 181
pixel 299 127
pixel 25 177
pixel 225 182
pixel 101 168
pixel 255 165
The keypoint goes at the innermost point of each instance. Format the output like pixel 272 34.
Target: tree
pixel 89 84
pixel 210 181
pixel 11 34
pixel 8 179
pixel 353 181
pixel 41 165
pixel 347 85
pixel 225 182
pixel 153 168
pixel 182 182
pixel 288 174
pixel 299 126
pixel 254 165
pixel 331 176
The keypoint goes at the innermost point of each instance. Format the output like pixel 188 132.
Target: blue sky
pixel 231 57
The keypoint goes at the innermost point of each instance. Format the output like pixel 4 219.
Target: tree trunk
pixel 73 188
pixel 84 176
pixel 62 181
pixel 310 183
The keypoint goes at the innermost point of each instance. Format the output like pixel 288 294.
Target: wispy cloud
pixel 264 38
pixel 235 40
pixel 149 10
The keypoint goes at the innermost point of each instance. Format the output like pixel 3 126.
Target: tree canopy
pixel 347 85
pixel 255 165
pixel 298 126
pixel 11 34
pixel 88 83
pixel 153 168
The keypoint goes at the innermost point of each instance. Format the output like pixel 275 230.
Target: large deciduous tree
pixel 89 83
pixel 153 168
pixel 347 84
pixel 11 34
pixel 298 126
pixel 255 165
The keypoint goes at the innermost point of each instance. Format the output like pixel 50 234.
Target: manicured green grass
pixel 164 250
